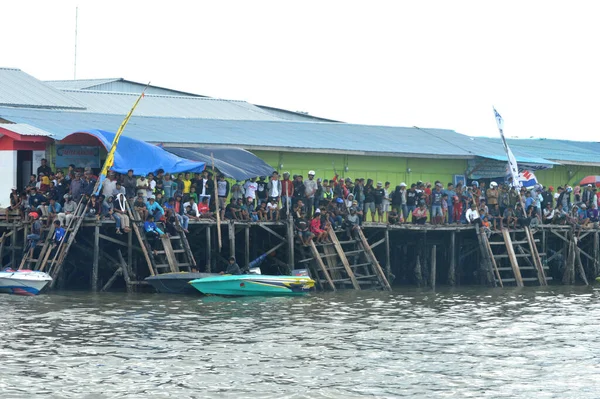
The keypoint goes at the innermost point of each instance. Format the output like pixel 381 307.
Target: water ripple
pixel 464 343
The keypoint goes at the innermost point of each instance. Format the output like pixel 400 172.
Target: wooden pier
pixel 93 257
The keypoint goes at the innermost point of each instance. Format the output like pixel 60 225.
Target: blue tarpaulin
pixel 134 154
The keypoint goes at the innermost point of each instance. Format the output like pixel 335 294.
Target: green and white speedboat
pixel 254 285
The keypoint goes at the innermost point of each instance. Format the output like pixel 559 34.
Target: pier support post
pixel 247 246
pixel 13 240
pixel 208 249
pixel 290 241
pixel 418 272
pixel 96 256
pixel 596 255
pixel 433 265
pixel 452 268
pixel 231 238
pixel 388 263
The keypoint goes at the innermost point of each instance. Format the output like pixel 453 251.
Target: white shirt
pixel 108 187
pixel 271 206
pixel 151 187
pixel 251 188
pixel 471 215
pixel 275 189
pixel 203 192
pixel 194 208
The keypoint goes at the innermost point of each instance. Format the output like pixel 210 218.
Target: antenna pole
pixel 75 61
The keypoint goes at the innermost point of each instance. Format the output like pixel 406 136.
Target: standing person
pixel 387 199
pixel 53 210
pixel 261 190
pixel 59 234
pixel 250 189
pixel 222 193
pixel 206 187
pixel 588 196
pixel 437 214
pixel 142 187
pixel 44 168
pixel 169 186
pixel 359 194
pixel 369 200
pixel 274 187
pixel 412 199
pixel 451 193
pixel 76 188
pixel 378 194
pixel 287 192
pixel 310 189
pixel 109 185
pixel 187 183
pixel 130 184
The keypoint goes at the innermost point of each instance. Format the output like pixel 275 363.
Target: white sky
pixel 425 63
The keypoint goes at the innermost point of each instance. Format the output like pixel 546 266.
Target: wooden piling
pixel 433 265
pixel 388 263
pixel 290 241
pixel 96 257
pixel 247 246
pixel 208 249
pixel 596 255
pixel 231 231
pixel 580 266
pixel 13 240
pixel 452 267
pixel 418 272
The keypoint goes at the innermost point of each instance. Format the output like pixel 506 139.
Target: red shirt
pixel 287 188
pixel 203 208
pixel 315 226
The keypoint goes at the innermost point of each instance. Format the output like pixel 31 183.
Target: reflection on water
pixel 480 343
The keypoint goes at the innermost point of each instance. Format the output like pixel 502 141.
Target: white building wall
pixel 8 177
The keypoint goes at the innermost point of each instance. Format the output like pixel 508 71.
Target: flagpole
pixel 216 192
pixel 110 156
pixel 512 162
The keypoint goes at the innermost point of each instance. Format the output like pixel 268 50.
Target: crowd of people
pixel 315 204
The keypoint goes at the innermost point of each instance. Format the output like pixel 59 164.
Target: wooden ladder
pixel 517 258
pixel 62 250
pixel 45 242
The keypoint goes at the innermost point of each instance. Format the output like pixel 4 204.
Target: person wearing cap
pixel 154 208
pixel 310 189
pixel 36 200
pixel 587 197
pixel 36 231
pixel 592 212
pixel 378 195
pixel 582 216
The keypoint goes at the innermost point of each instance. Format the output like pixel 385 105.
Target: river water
pixel 462 343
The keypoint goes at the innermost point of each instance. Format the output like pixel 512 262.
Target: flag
pixel 527 179
pixel 513 169
pixel 110 156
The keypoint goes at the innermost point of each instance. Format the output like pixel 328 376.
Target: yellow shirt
pixel 45 180
pixel 186 186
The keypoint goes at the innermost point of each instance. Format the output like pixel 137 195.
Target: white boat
pixel 23 282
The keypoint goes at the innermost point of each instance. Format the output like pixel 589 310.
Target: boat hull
pixel 176 283
pixel 23 282
pixel 254 285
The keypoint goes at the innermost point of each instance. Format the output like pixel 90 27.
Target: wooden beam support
pixel 208 249
pixel 231 231
pixel 433 270
pixel 452 267
pixel 271 231
pixel 96 257
pixel 112 279
pixel 290 241
pixel 388 261
pixel 512 257
pixel 247 245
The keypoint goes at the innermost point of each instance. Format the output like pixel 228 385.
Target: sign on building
pixel 78 155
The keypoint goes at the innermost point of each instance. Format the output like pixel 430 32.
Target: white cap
pixel 402 184
pixel 493 184
pixel 317 210
pixel 311 172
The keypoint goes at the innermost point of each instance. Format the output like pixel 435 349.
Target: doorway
pixel 24 162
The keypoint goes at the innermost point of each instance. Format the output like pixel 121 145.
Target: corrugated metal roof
pixel 169 106
pixel 79 84
pixel 24 129
pixel 307 136
pixel 18 89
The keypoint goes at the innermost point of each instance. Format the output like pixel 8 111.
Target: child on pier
pixel 152 232
pixel 316 230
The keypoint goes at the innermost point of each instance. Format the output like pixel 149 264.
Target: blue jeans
pixel 405 212
pixel 33 239
pixel 450 210
pixel 117 221
pixel 409 210
pixel 183 221
pixel 436 210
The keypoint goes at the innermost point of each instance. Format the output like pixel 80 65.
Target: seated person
pixel 352 223
pixel 303 230
pixel 548 214
pixel 316 230
pixel 419 214
pixel 509 218
pixel 393 217
pixel 204 209
pixel 273 210
pixel 560 215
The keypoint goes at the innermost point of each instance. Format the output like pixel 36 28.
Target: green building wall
pixel 395 169
pixel 392 169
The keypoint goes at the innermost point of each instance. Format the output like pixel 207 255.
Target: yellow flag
pixel 110 157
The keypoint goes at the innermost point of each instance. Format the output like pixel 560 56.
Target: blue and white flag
pixel 527 179
pixel 513 168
